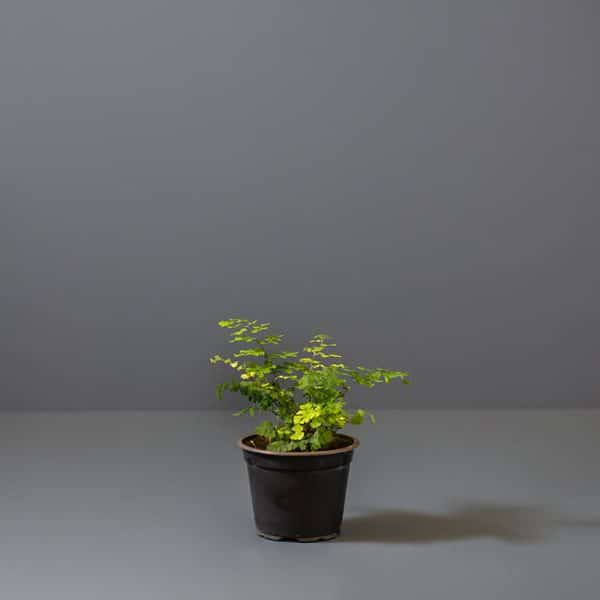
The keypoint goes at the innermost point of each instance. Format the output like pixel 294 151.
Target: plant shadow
pixel 512 524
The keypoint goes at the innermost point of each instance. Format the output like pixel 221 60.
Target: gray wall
pixel 419 178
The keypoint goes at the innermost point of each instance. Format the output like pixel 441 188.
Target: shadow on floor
pixel 514 524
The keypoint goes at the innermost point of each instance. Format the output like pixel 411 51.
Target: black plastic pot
pixel 298 495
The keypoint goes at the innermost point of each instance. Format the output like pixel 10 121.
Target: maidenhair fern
pixel 304 391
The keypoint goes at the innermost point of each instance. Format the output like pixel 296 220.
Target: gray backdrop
pixel 418 178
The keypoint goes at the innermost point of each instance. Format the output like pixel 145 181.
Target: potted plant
pixel 298 462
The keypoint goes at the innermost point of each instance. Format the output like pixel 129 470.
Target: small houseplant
pixel 298 462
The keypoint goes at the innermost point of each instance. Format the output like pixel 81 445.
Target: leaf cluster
pixel 304 390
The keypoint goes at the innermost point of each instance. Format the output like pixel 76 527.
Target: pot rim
pixel 353 443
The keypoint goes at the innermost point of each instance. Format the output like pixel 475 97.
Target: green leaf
pixel 241 338
pixel 271 339
pixel 281 446
pixel 250 352
pixel 229 323
pixel 283 355
pixel 230 386
pixel 358 417
pixel 267 430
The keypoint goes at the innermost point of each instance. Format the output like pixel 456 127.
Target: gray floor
pixel 452 505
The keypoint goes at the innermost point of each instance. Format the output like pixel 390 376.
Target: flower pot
pixel 298 495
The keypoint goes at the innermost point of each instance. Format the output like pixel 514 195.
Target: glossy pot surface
pixel 298 495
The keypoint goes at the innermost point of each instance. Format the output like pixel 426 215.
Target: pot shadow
pixel 513 524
